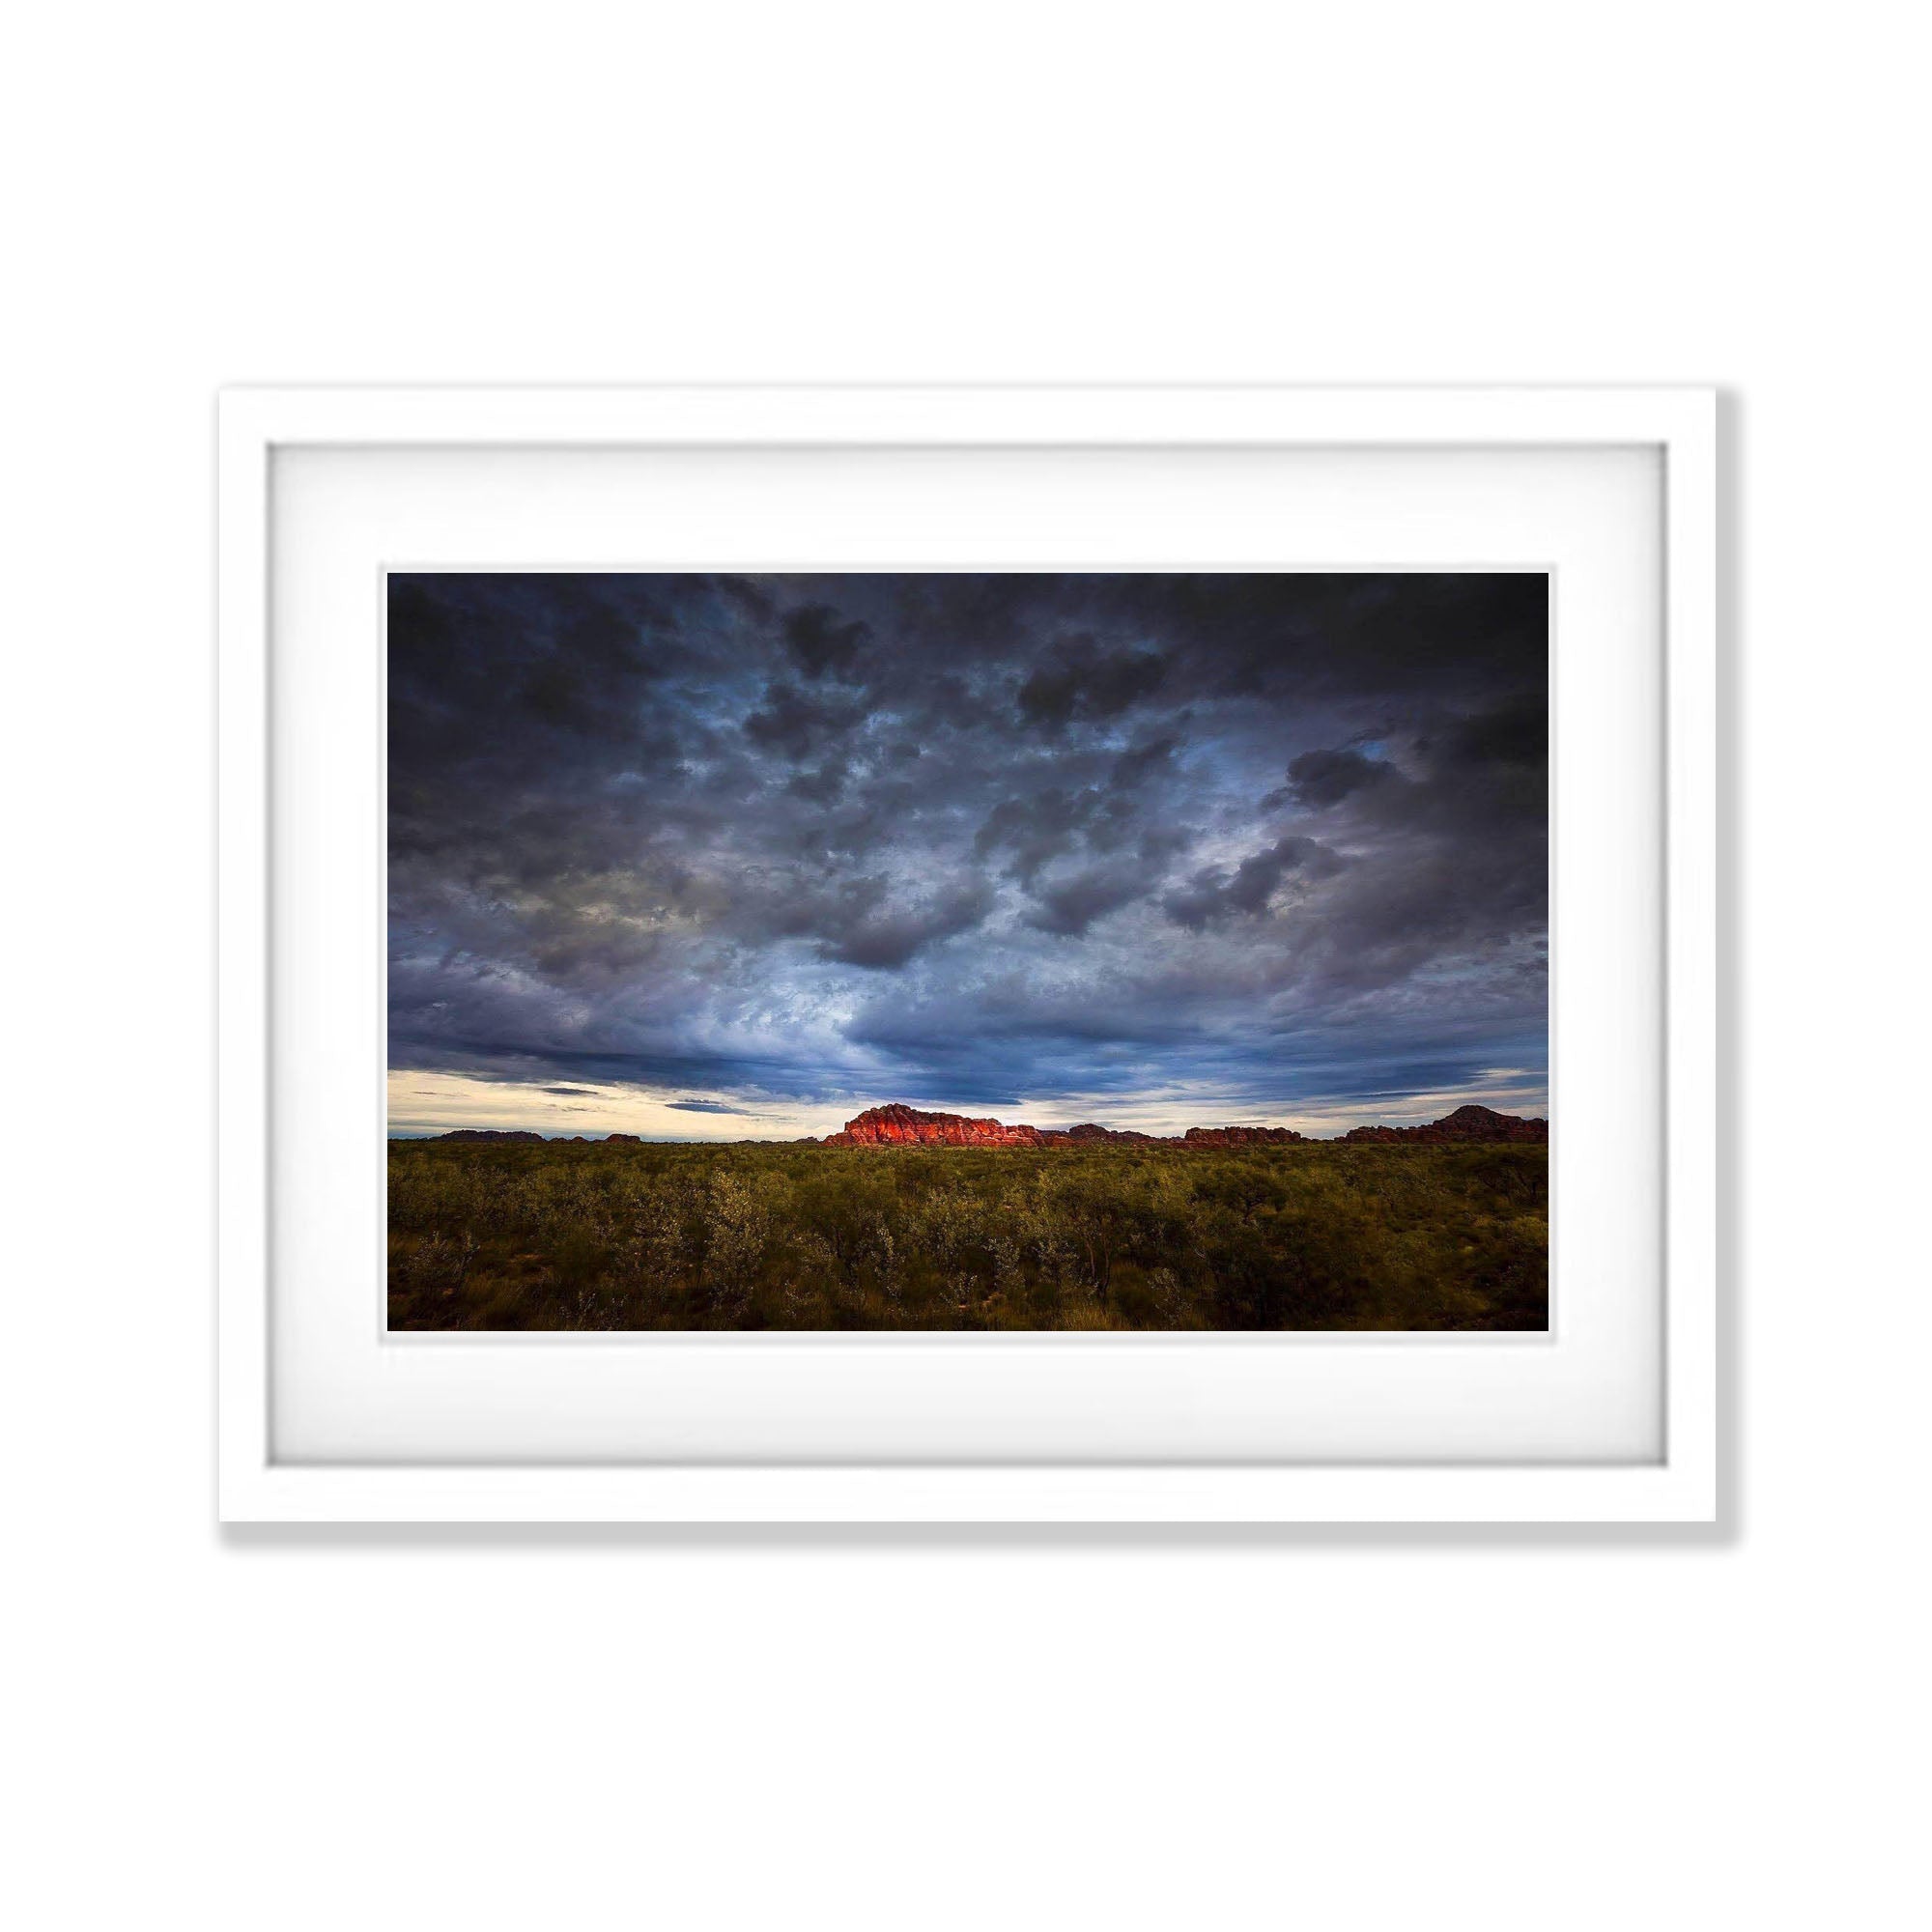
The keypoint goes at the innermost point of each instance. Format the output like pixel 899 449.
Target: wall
pixel 601 1728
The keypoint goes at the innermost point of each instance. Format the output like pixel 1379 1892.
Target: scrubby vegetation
pixel 596 1236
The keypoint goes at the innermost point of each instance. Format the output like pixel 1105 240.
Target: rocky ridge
pixel 898 1125
pixel 1466 1123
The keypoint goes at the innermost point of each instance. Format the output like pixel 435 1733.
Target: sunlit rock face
pixel 1466 1123
pixel 909 1126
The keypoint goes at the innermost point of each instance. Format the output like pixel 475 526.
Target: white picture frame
pixel 1679 1484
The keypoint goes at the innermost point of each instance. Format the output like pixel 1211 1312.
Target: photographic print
pixel 1113 952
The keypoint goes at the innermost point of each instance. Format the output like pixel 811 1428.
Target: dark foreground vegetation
pixel 614 1236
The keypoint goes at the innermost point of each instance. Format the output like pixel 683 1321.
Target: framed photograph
pixel 968 954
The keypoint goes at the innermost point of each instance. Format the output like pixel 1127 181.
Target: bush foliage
pixel 596 1236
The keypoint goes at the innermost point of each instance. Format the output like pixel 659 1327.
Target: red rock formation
pixel 909 1126
pixel 1466 1123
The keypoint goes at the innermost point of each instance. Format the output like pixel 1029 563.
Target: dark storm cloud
pixel 1030 830
pixel 1216 893
pixel 1069 906
pixel 797 724
pixel 821 642
pixel 1318 780
pixel 1139 763
pixel 1274 838
pixel 887 935
pixel 1086 680
pixel 700 1107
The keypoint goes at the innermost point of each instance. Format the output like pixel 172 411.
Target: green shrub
pixel 587 1235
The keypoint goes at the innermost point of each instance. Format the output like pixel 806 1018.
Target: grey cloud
pixel 1514 734
pixel 819 788
pixel 1086 680
pixel 797 724
pixel 890 935
pixel 1069 906
pixel 1139 763
pixel 1214 894
pixel 820 643
pixel 1031 831
pixel 1318 780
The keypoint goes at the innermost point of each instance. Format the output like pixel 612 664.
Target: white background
pixel 577 1729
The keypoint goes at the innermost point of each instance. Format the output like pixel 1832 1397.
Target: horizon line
pixel 819 1140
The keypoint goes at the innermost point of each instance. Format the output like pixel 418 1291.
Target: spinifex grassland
pixel 534 1235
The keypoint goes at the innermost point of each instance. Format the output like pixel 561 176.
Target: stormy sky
pixel 718 857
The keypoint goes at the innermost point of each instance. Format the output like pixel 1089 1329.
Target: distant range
pixel 909 1126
